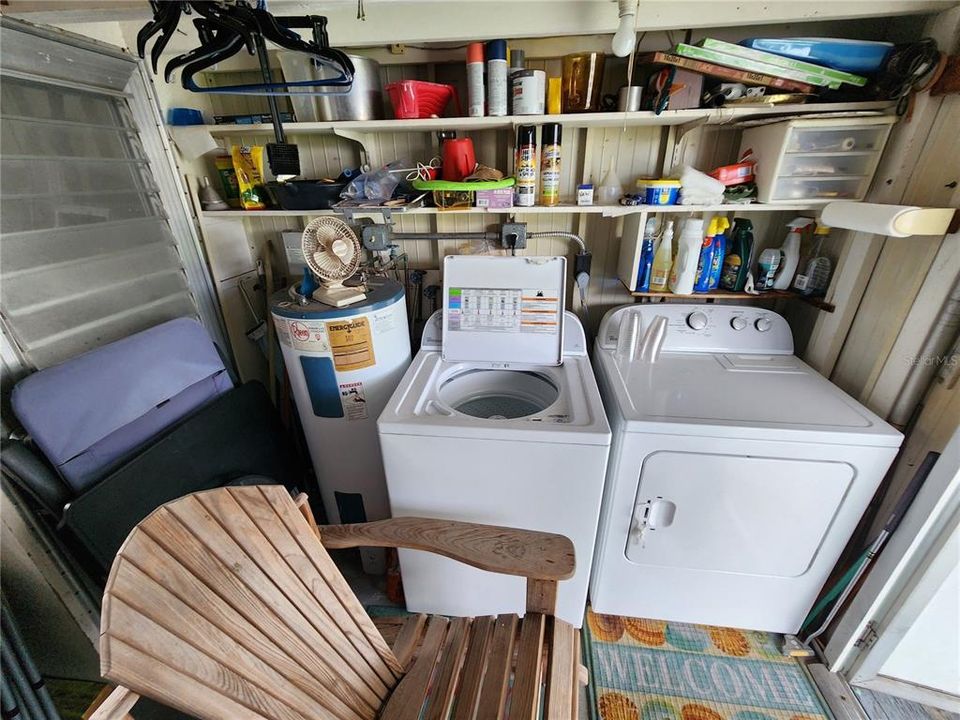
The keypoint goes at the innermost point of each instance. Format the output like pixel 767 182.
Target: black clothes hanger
pixel 226 27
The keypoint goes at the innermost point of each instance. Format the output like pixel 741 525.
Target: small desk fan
pixel 332 252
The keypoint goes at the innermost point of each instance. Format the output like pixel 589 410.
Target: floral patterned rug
pixel 656 670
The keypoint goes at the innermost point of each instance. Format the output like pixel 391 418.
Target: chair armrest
pixel 510 551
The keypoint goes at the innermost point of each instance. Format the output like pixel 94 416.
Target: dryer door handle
pixel 661 514
pixel 652 514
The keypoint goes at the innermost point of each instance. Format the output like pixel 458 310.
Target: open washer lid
pixel 503 310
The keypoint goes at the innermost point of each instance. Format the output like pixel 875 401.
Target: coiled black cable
pixel 908 65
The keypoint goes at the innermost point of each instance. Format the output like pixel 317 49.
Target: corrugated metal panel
pixel 86 252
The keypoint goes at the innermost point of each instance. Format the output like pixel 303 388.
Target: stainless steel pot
pixel 365 99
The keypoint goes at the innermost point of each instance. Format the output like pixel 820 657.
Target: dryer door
pixel 735 514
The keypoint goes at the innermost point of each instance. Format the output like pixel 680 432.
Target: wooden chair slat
pixel 465 704
pixel 274 643
pixel 542 596
pixel 160 645
pixel 219 515
pixel 451 660
pixel 561 668
pixel 111 703
pixel 138 669
pixel 147 599
pixel 574 684
pixel 407 699
pixel 499 665
pixel 262 606
pixel 277 499
pixel 525 697
pixel 407 639
pixel 299 549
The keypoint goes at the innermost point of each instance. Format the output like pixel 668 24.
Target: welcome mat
pixel 656 670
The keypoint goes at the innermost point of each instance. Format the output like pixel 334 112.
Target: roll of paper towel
pixel 891 220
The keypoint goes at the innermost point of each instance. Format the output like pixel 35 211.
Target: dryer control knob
pixel 763 324
pixel 697 320
pixel 738 323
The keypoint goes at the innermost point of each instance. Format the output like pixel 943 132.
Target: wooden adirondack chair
pixel 225 604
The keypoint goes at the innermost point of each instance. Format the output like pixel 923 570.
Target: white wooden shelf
pixel 712 116
pixel 603 210
pixel 711 295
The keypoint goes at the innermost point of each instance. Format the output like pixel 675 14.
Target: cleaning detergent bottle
pixel 790 254
pixel 684 270
pixel 719 252
pixel 646 256
pixel 702 283
pixel 736 264
pixel 662 261
pixel 767 268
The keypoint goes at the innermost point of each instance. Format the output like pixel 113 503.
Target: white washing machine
pixel 737 472
pixel 498 420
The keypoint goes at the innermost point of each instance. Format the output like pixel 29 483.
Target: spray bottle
pixel 662 261
pixel 790 254
pixel 525 167
pixel 646 256
pixel 475 91
pixel 702 283
pixel 719 252
pixel 496 54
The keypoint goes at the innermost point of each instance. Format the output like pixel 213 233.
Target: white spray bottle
pixel 790 254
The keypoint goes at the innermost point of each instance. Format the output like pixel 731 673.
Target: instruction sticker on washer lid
pixel 353 400
pixel 283 330
pixel 540 311
pixel 503 310
pixel 309 336
pixel 484 309
pixel 352 343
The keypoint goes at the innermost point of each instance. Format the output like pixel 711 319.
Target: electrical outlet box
pixel 513 236
pixel 376 237
pixel 398 49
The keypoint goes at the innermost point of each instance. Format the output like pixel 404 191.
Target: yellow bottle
pixel 662 261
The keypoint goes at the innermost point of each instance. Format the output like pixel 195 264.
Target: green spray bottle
pixel 736 265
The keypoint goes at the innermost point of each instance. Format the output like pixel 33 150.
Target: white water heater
pixel 344 364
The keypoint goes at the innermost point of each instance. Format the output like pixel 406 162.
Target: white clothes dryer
pixel 737 472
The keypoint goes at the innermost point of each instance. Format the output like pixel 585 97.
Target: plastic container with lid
pixel 660 192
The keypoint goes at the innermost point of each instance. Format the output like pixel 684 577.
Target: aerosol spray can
pixel 550 135
pixel 475 93
pixel 525 166
pixel 496 54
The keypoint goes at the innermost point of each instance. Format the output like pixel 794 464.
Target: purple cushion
pixel 88 413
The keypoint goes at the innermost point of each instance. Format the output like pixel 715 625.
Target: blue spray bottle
pixel 702 283
pixel 646 256
pixel 719 253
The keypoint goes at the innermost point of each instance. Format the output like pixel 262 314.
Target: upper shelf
pixel 712 116
pixel 603 210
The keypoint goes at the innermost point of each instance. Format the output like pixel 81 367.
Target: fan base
pixel 339 296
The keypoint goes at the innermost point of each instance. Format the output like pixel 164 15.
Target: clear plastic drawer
pixel 819 188
pixel 827 140
pixel 827 165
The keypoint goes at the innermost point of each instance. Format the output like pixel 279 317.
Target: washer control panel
pixel 705 328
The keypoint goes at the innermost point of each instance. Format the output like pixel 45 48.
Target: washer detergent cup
pixel 498 421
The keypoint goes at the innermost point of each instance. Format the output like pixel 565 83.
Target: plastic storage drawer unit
pixel 816 160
